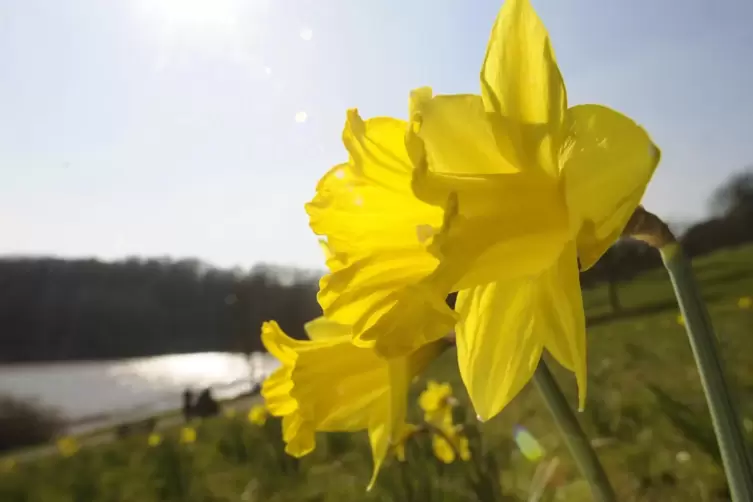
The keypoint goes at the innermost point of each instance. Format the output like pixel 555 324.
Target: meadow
pixel 646 415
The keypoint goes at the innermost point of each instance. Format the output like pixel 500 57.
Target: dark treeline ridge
pixel 55 309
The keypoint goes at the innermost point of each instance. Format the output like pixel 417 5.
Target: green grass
pixel 644 401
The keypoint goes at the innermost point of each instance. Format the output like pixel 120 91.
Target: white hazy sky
pixel 200 127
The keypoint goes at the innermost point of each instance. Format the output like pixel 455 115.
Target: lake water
pixel 98 392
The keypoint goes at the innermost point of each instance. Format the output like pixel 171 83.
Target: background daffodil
pixel 68 446
pixel 448 441
pixel 257 415
pixel 187 435
pixel 530 187
pixel 436 400
pixel 447 452
pixel 329 384
pixel 154 439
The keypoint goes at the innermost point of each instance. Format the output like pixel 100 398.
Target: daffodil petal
pixel 559 319
pixel 336 383
pixel 387 424
pixel 498 349
pixel 443 450
pixel 367 203
pixel 276 392
pixel 607 161
pixel 351 294
pixel 520 81
pixel 465 449
pixel 418 310
pixel 298 436
pixel 390 299
pixel 322 328
pixel 379 440
pixel 457 135
pixel 277 342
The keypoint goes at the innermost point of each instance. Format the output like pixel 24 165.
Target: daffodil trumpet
pixel 725 417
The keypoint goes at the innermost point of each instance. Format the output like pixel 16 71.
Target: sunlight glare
pixel 201 12
pixel 194 17
pixel 301 117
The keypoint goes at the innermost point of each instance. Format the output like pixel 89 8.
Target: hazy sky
pixel 175 127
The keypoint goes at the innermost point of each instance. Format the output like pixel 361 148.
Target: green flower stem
pixel 575 438
pixel 735 454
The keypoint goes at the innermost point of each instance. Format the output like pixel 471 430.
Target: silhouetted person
pixel 187 405
pixel 206 405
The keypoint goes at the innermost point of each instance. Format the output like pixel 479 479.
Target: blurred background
pixel 155 156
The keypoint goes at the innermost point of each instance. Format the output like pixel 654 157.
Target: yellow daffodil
pixel 257 415
pixel 447 452
pixel 517 171
pixel 436 401
pixel 448 440
pixel 188 435
pixel 67 446
pixel 500 197
pixel 381 280
pixel 154 439
pixel 745 302
pixel 329 384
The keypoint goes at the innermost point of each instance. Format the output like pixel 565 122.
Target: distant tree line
pixel 54 309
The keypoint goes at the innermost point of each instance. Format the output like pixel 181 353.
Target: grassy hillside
pixel 645 410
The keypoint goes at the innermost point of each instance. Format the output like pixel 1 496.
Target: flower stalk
pixel 576 440
pixel 724 416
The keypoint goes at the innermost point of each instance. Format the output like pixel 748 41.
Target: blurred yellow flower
pixel 745 302
pixel 154 439
pixel 680 320
pixel 187 435
pixel 257 415
pixel 329 384
pixel 67 446
pixel 435 401
pixel 447 452
pixel 448 439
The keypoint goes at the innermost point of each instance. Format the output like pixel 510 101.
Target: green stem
pixel 575 438
pixel 735 455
